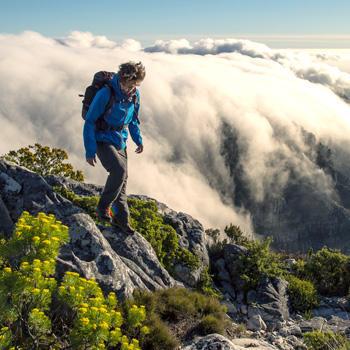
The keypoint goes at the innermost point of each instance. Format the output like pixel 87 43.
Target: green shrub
pixel 34 310
pixel 160 336
pixel 318 340
pixel 210 324
pixel 45 161
pixel 213 233
pixel 302 294
pixel 258 262
pixel 236 235
pixel 163 238
pixel 173 305
pixel 329 269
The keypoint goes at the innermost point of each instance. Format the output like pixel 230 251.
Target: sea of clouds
pixel 268 96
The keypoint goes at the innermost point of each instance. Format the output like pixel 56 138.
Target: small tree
pixel 236 235
pixel 329 269
pixel 45 161
pixel 214 233
pixel 259 261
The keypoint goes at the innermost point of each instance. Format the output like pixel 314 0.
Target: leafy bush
pixel 318 340
pixel 37 313
pixel 258 262
pixel 236 235
pixel 302 294
pixel 213 233
pixel 329 269
pixel 210 324
pixel 160 336
pixel 44 161
pixel 163 238
pixel 173 305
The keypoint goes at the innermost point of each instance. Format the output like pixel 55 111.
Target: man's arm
pixel 134 124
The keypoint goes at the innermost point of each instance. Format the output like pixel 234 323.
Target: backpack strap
pixel 101 123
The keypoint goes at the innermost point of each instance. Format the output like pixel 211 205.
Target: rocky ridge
pixel 123 263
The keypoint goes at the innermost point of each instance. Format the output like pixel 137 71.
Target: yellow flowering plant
pixel 34 308
pixel 98 320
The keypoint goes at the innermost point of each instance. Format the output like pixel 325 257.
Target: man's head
pixel 131 74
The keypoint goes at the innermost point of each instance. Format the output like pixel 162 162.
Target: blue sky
pixel 276 21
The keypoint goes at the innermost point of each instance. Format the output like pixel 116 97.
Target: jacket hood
pixel 116 87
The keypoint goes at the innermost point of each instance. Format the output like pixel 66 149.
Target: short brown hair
pixel 132 71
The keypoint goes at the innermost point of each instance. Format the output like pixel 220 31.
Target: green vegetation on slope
pixel 168 309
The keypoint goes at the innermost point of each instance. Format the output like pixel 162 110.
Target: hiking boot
pixel 103 215
pixel 125 228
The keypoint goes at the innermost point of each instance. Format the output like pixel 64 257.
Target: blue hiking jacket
pixel 120 114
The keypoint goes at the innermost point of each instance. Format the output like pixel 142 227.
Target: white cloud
pixel 185 101
pixel 87 40
pixel 131 45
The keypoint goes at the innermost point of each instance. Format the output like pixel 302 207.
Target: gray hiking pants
pixel 114 193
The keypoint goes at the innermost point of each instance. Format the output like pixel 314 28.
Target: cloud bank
pixel 192 94
pixel 305 66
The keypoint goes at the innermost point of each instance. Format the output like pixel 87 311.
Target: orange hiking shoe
pixel 103 215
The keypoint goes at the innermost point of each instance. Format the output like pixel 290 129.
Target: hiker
pixel 109 142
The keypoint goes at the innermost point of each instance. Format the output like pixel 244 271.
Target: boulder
pixel 219 342
pixel 256 323
pixel 6 223
pixel 270 301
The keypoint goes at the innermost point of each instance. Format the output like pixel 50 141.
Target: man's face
pixel 128 86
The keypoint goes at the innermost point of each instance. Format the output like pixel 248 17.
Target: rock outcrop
pixel 118 262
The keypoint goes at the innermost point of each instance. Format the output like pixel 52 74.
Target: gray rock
pixel 223 274
pixel 335 306
pixel 210 342
pixel 248 343
pixel 232 308
pixel 190 231
pixel 244 309
pixel 316 323
pixel 119 262
pixel 228 289
pixel 232 255
pixel 271 303
pixel 284 331
pixel 295 343
pixel 295 331
pixel 190 277
pixel 9 185
pixel 79 188
pixel 6 223
pixel 256 323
